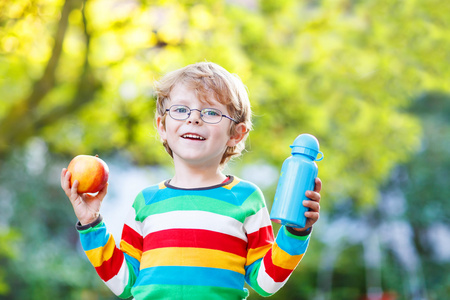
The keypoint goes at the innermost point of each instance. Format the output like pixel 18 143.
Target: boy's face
pixel 193 141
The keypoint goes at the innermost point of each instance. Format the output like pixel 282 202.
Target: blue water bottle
pixel 297 176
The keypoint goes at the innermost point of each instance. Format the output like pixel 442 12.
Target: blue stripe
pixel 199 276
pixel 236 196
pixel 149 193
pixel 221 195
pixel 243 190
pixel 94 238
pixel 249 270
pixel 292 246
pixel 133 262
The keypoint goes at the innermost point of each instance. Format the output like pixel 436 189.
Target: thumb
pixel 102 193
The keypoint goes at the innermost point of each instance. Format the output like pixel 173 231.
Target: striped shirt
pixel 195 244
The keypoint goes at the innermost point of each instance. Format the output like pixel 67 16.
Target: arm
pixel 117 268
pixel 270 263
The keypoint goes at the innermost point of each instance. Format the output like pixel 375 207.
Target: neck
pixel 187 176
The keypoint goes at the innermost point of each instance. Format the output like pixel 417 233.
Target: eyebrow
pixel 206 105
pixel 214 104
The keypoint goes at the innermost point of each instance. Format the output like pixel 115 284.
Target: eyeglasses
pixel 208 115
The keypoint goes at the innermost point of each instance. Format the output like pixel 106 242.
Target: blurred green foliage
pixel 8 242
pixel 78 77
pixel 426 175
pixel 335 69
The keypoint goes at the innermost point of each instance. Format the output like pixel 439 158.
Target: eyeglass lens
pixel 208 115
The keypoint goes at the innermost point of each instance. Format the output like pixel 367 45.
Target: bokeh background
pixel 369 78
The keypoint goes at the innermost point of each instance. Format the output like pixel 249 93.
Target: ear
pixel 161 128
pixel 240 131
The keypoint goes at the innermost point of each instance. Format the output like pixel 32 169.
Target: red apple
pixel 90 171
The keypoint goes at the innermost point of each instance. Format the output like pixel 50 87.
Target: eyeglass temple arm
pixel 230 118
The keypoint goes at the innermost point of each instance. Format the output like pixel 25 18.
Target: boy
pixel 201 234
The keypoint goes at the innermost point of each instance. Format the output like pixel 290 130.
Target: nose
pixel 194 118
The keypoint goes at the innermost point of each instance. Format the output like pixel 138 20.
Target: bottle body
pixel 297 176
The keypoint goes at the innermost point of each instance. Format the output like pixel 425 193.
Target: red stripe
pixel 111 267
pixel 132 237
pixel 278 274
pixel 198 238
pixel 261 237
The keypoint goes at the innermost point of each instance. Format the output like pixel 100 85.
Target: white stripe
pixel 195 220
pixel 266 282
pixel 257 221
pixel 130 221
pixel 118 283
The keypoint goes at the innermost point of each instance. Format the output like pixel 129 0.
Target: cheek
pixel 224 134
pixel 171 131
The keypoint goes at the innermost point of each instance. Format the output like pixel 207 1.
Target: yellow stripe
pixel 232 184
pixel 257 253
pixel 282 259
pixel 98 255
pixel 194 257
pixel 162 185
pixel 130 250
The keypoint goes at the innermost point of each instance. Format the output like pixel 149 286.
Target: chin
pixel 197 160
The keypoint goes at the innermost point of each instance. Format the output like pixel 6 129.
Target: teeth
pixel 192 136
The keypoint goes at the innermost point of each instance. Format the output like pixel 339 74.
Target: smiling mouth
pixel 193 137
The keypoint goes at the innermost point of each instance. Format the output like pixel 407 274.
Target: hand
pixel 314 207
pixel 85 206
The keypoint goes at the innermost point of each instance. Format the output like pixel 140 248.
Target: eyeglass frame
pixel 201 114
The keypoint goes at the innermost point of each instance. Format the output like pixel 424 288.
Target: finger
pixel 74 190
pixel 68 176
pixel 65 182
pixel 313 195
pixel 313 205
pixel 318 185
pixel 312 217
pixel 63 176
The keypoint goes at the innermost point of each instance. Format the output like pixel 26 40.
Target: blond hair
pixel 209 81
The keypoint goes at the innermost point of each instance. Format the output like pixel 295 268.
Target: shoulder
pixel 249 193
pixel 242 185
pixel 148 195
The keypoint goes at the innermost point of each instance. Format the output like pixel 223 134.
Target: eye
pixel 180 109
pixel 211 112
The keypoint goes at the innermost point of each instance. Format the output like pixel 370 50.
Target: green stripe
pixel 188 292
pixel 131 281
pixel 91 229
pixel 139 202
pixel 297 237
pixel 253 203
pixel 252 278
pixel 198 203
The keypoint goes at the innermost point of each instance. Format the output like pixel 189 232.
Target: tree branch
pixel 18 125
pixel 85 90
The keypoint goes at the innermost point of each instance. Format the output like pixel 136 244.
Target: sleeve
pixel 271 262
pixel 118 268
